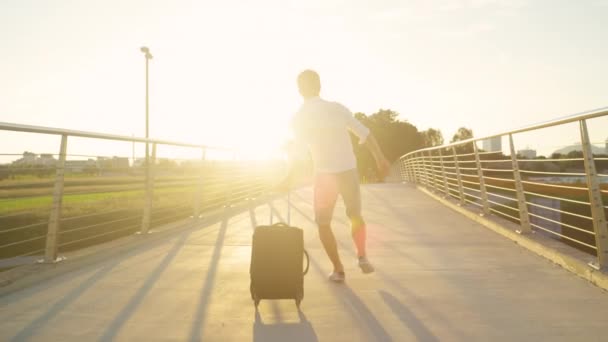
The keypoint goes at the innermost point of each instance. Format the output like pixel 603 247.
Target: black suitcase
pixel 276 269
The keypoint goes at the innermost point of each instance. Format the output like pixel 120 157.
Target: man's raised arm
pixel 381 163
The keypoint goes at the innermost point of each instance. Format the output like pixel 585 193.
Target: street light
pixel 148 57
pixel 148 201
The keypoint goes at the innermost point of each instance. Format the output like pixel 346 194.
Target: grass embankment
pixel 94 209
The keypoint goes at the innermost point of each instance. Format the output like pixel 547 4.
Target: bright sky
pixel 224 72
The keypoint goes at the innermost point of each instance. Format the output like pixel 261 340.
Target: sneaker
pixel 365 265
pixel 337 277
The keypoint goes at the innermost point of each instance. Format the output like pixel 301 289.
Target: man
pixel 323 126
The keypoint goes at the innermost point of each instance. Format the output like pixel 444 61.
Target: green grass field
pixel 97 209
pixel 100 200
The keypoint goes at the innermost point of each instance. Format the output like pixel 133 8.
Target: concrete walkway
pixel 440 277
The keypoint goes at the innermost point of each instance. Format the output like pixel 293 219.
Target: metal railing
pixel 504 185
pixel 134 201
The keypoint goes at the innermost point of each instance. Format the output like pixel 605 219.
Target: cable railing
pixel 63 206
pixel 516 189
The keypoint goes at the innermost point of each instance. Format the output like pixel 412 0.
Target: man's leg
pixel 331 248
pixel 348 186
pixel 351 194
pixel 359 231
pixel 325 197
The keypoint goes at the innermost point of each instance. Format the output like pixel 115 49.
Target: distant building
pixel 78 166
pixel 139 162
pixel 527 153
pixel 120 162
pixel 47 159
pixel 104 163
pixel 113 163
pixel 30 159
pixel 492 145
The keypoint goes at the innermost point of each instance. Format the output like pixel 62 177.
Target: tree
pixel 394 136
pixel 463 133
pixel 431 137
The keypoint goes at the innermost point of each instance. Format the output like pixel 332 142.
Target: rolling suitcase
pixel 276 268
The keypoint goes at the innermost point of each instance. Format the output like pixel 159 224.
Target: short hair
pixel 309 83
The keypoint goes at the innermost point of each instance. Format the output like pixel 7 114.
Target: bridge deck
pixel 440 277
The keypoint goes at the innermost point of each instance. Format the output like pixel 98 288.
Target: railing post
pixel 482 183
pixel 418 169
pixel 199 191
pixel 415 169
pixel 595 198
pixel 425 170
pixel 524 218
pixel 427 182
pixel 410 169
pixel 433 171
pixel 446 188
pixel 459 177
pixel 406 167
pixel 51 247
pixel 150 161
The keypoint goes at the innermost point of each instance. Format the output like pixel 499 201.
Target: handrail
pixel 559 121
pixel 584 202
pixel 6 126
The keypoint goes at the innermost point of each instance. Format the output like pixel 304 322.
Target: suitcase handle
pixel 288 208
pixel 307 262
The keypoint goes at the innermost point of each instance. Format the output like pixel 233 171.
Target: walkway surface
pixel 440 277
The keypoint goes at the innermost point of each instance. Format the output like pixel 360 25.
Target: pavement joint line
pixel 567 257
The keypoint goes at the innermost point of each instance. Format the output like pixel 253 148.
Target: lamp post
pixel 148 201
pixel 148 57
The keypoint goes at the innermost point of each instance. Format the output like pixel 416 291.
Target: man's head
pixel 309 83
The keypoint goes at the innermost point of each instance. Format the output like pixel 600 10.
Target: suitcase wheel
pixel 256 299
pixel 299 298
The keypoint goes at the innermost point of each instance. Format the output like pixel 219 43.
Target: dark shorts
pixel 327 188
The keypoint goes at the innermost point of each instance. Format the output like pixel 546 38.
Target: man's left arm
pixel 367 139
pixel 381 162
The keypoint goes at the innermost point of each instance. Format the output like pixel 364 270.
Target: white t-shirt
pixel 324 126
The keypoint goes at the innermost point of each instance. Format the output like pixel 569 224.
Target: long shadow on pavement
pixel 151 242
pixel 358 309
pixel 122 317
pixel 408 319
pixel 39 323
pixel 201 311
pixel 438 316
pixel 293 332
